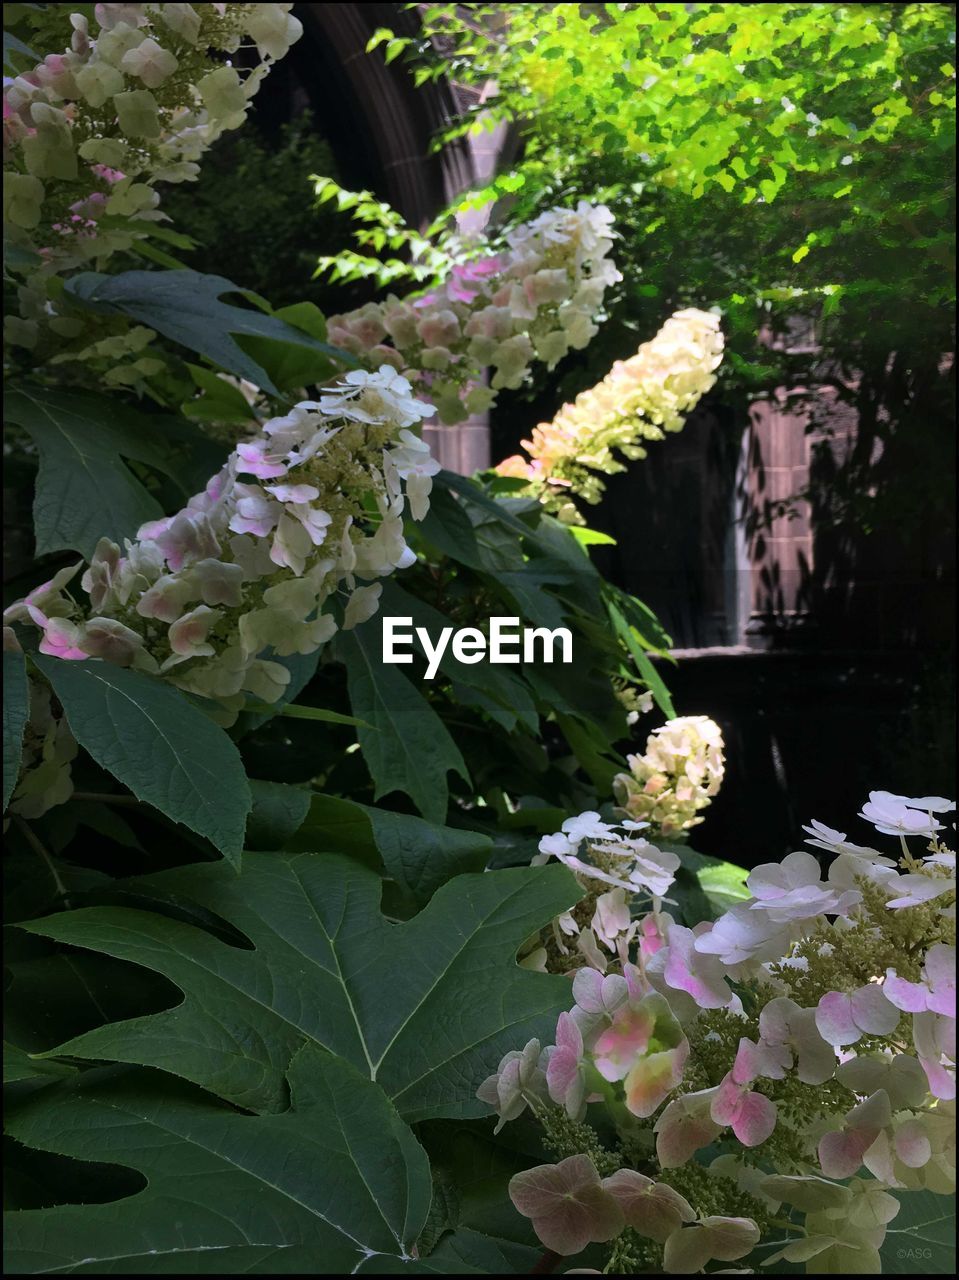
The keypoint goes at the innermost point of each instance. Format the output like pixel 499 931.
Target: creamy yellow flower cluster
pixel 639 400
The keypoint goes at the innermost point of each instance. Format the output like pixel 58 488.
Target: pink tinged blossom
pixel 934 1038
pixel 98 578
pixel 187 536
pixel 844 1019
pixel 565 1074
pixel 567 1205
pixel 792 890
pixel 258 460
pixel 651 1208
pixel 914 889
pixel 651 939
pixel 167 598
pixel 894 815
pixel 61 640
pixel 106 638
pixel 621 1044
pixel 256 512
pixel 841 1151
pixel 314 522
pixel 754 1060
pixel 611 917
pixel 783 1023
pixel 912 1144
pixel 724 1239
pixel 688 968
pixel 653 1078
pixel 188 635
pixel 903 1147
pixel 44 601
pixel 685 1127
pixel 742 935
pixel 596 994
pixel 750 1115
pixel 936 993
pixel 645 1047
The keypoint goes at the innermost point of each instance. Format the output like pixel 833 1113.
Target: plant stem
pixel 36 844
pixel 105 797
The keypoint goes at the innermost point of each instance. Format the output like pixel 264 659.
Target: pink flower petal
pixel 756 1119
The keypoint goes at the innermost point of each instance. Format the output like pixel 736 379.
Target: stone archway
pixel 380 128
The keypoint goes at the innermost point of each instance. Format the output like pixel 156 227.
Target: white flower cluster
pixel 537 300
pixel 615 855
pixel 639 400
pixel 677 776
pixel 814 1024
pixel 89 131
pixel 312 505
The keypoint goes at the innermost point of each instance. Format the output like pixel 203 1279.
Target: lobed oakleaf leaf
pixel 333 1181
pixel 426 1008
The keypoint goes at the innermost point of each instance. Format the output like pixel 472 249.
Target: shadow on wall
pixel 672 517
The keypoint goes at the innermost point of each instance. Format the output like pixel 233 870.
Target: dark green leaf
pixel 409 1004
pixel 156 743
pixel 84 489
pixel 278 812
pixel 337 1179
pixel 921 1239
pixel 16 708
pixel 409 748
pixel 416 854
pixel 20 1067
pixel 186 307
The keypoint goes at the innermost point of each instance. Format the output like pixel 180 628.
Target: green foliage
pixel 922 1236
pixel 242 977
pixel 791 164
pixel 84 490
pixel 378 228
pixel 155 742
pixel 251 215
pixel 312 924
pixel 16 708
pixel 186 307
pixel 339 1177
pixel 418 856
pixel 407 746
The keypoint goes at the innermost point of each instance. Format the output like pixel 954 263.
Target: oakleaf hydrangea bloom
pixel 613 863
pixel 251 565
pixel 899 815
pixel 678 775
pixel 134 100
pixel 639 400
pixel 809 1028
pixel 535 300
